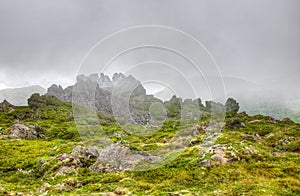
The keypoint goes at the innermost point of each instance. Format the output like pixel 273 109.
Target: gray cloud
pixel 43 42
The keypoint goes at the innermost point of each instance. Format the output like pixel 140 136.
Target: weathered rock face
pixel 121 158
pixel 6 106
pixel 235 124
pixel 125 98
pixel 78 157
pixel 110 97
pixel 112 158
pixel 232 105
pixel 20 131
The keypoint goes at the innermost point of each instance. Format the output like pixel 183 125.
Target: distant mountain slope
pixel 19 96
pixel 257 99
pixel 253 98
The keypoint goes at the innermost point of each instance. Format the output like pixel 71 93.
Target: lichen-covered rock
pixel 217 126
pixel 110 97
pixel 216 155
pixel 196 131
pixel 6 106
pixel 121 158
pixel 256 136
pixel 79 157
pixel 232 105
pixel 43 190
pixel 235 124
pixel 100 167
pixel 69 162
pixel 21 131
pixel 286 141
pixel 249 151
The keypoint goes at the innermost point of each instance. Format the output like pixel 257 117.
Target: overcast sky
pixel 43 42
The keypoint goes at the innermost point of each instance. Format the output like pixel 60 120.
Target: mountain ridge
pixel 19 96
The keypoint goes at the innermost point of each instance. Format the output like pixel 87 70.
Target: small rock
pixel 72 183
pixel 286 141
pixel 287 120
pixel 195 132
pixel 256 136
pixel 121 191
pixel 249 151
pixel 254 121
pixel 43 188
pixel 217 155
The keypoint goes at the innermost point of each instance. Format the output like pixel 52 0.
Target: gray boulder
pixel 21 131
pixel 121 158
pixel 6 106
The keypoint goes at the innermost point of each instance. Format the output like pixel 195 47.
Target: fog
pixel 255 43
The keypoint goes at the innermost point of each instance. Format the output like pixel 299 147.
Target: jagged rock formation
pixel 122 96
pixel 232 105
pixel 125 98
pixel 6 106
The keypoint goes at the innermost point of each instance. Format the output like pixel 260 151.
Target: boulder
pixel 216 155
pixel 79 157
pixel 235 124
pixel 196 131
pixel 6 106
pixel 121 158
pixel 21 131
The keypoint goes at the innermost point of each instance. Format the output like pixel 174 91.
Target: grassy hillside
pixel 252 156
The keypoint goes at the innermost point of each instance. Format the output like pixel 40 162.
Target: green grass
pixel 273 168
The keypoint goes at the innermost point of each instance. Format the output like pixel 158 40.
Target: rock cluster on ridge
pixel 125 98
pixel 6 106
pixel 121 96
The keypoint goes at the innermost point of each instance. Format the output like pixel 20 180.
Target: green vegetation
pixel 261 153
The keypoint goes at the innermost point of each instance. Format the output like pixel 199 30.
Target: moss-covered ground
pixel 267 163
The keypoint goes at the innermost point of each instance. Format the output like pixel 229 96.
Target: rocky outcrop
pixel 6 106
pixel 112 158
pixel 121 158
pixel 68 163
pixel 58 92
pixel 125 98
pixel 78 157
pixel 122 96
pixel 21 131
pixel 232 105
pixel 235 124
pixel 216 155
